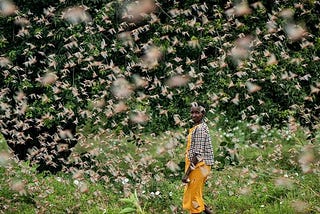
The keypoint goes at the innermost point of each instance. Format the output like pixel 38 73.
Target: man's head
pixel 197 112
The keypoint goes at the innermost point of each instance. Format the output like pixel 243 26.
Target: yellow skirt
pixel 193 197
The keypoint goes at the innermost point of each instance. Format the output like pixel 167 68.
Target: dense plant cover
pixel 78 76
pixel 278 172
pixel 74 67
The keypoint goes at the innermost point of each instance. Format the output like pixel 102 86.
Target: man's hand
pixel 185 179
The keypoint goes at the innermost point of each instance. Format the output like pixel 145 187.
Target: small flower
pixel 125 180
pixel 76 182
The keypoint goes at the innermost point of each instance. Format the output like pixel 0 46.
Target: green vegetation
pixel 74 65
pixel 95 94
pixel 278 172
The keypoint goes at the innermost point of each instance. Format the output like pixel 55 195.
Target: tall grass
pixel 278 172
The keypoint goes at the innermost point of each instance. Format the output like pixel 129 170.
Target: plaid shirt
pixel 201 145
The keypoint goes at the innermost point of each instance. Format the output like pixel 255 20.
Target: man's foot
pixel 207 210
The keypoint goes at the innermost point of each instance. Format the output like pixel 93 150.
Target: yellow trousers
pixel 193 197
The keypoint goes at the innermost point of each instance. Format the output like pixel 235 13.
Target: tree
pixel 71 67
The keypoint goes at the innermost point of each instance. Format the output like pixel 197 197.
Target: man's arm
pixel 193 163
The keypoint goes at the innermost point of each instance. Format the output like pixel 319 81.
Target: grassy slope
pixel 268 179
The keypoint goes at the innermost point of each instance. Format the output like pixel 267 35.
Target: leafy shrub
pixel 69 66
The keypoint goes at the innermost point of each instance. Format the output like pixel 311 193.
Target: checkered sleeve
pixel 201 146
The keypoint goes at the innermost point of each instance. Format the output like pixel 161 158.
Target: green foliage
pixel 278 172
pixel 210 36
pixel 133 204
pixel 255 61
pixel 227 154
pixel 58 74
